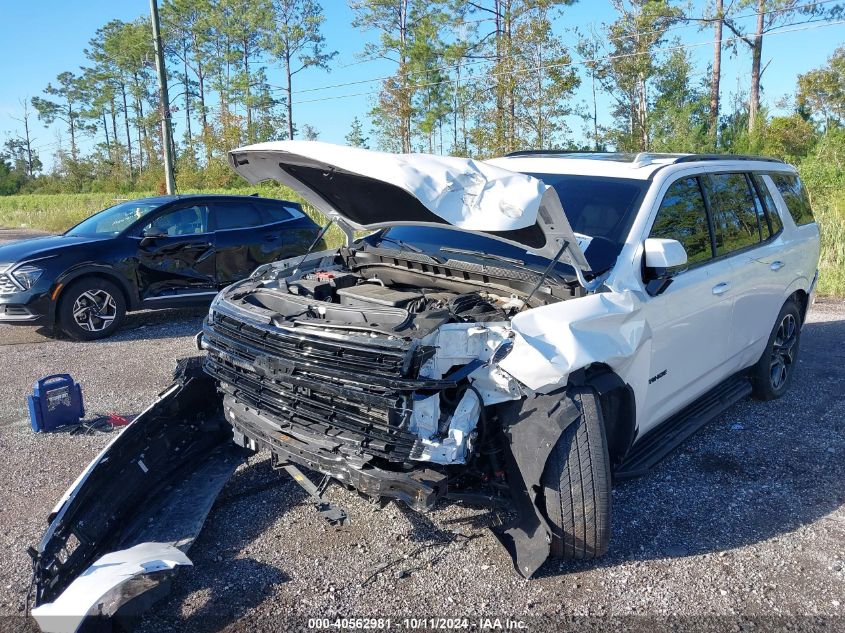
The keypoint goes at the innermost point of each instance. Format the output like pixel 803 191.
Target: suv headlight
pixel 214 302
pixel 26 276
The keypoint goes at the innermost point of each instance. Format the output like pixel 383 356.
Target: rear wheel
pixel 772 374
pixel 91 308
pixel 576 484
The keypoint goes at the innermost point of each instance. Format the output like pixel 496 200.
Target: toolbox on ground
pixel 55 401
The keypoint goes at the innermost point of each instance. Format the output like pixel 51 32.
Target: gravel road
pixel 742 528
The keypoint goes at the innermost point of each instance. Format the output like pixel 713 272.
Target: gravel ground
pixel 742 528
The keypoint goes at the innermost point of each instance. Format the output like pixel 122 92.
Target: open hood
pixel 371 190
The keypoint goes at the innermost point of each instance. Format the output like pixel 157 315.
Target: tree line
pixel 477 78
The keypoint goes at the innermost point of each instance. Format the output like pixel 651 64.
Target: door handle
pixel 272 238
pixel 721 288
pixel 776 265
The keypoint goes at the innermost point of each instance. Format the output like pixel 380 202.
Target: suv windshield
pixel 113 220
pixel 598 206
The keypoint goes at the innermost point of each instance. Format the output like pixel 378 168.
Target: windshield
pixel 114 220
pixel 598 206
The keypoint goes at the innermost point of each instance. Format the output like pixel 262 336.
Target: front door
pixel 690 320
pixel 179 263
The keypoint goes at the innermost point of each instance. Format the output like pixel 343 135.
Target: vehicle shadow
pixel 201 598
pixel 760 470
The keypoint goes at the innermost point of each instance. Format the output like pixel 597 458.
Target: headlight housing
pixel 214 302
pixel 26 276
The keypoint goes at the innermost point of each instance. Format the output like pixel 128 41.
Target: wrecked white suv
pixel 514 332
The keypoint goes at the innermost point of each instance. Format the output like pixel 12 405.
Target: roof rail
pixel 562 152
pixel 692 158
pixel 642 158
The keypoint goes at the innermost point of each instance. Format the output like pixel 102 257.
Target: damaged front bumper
pixel 420 488
pixel 125 524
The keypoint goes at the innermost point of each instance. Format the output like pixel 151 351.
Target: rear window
pixel 278 212
pixel 597 206
pixel 734 210
pixel 775 224
pixel 235 215
pixel 795 196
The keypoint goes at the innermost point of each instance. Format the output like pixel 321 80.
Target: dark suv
pixel 163 252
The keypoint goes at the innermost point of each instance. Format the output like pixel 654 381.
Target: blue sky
pixel 40 39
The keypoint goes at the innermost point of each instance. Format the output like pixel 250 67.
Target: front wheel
pixel 772 374
pixel 91 308
pixel 576 483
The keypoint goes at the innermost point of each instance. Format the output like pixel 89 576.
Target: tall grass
pixel 829 211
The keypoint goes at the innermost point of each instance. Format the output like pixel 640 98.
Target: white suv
pixel 477 344
pixel 520 328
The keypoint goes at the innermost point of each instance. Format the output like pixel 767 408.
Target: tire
pixel 576 483
pixel 772 375
pixel 91 308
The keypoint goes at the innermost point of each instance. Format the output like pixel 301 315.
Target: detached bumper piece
pixel 124 526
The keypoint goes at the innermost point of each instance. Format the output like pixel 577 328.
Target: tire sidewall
pixel 66 321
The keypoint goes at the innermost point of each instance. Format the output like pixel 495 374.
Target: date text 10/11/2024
pixel 483 624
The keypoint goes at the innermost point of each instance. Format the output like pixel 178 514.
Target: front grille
pixel 349 396
pixel 7 287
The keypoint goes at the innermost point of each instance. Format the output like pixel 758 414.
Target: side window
pixel 235 215
pixel 734 212
pixel 775 224
pixel 795 196
pixel 683 216
pixel 191 220
pixel 276 212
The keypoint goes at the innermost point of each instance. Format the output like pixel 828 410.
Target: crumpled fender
pixel 113 580
pixel 553 341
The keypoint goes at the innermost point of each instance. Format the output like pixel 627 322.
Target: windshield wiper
pixel 400 243
pixel 409 247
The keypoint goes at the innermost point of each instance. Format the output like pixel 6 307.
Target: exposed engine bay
pixel 368 360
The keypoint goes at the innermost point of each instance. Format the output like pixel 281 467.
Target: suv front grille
pixel 7 286
pixel 343 393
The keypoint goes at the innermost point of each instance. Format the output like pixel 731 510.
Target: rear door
pixel 257 231
pixel 181 263
pixel 241 234
pixel 690 320
pixel 748 237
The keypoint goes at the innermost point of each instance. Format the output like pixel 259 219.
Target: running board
pixel 667 436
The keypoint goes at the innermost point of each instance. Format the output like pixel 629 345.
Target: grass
pixel 58 212
pixel 830 215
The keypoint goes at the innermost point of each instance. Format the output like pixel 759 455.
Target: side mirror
pixel 660 255
pixel 150 235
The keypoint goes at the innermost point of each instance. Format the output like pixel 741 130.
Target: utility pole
pixel 164 102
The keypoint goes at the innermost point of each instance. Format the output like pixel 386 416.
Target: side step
pixel 667 436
